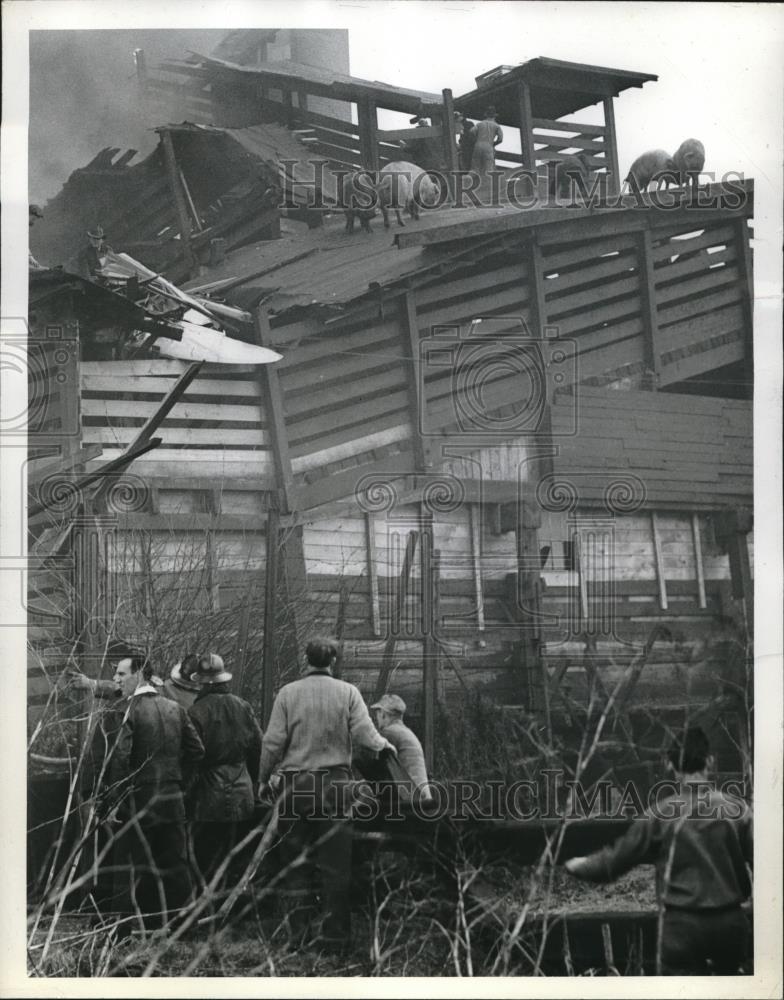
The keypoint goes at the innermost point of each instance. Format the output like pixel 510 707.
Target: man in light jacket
pixel 314 724
pixel 390 709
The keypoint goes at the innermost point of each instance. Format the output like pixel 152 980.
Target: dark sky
pixel 83 96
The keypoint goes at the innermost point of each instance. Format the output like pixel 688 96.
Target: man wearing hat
pixel 180 685
pixel 222 798
pixel 390 709
pixel 314 725
pixel 93 257
pixel 487 135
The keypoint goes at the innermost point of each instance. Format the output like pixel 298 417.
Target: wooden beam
pixel 398 606
pixel 650 316
pixel 659 561
pixel 582 584
pixel 526 125
pixel 449 140
pixel 611 139
pixel 411 349
pixel 179 199
pixel 475 523
pixel 529 605
pixel 276 418
pixel 370 542
pixel 368 134
pixel 429 585
pixel 270 616
pixel 699 569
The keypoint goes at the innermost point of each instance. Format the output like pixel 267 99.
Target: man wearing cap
pixel 181 685
pixel 390 709
pixel 222 798
pixel 315 723
pixel 157 748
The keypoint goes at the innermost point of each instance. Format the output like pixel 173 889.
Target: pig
pixel 656 165
pixel 566 170
pixel 688 160
pixel 358 198
pixel 405 185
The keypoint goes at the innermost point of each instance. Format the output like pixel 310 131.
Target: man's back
pixel 315 721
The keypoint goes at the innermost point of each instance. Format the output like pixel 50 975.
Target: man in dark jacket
pixel 223 797
pixel 701 843
pixel 180 685
pixel 156 750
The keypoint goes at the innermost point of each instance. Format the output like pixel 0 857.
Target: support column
pixel 611 143
pixel 526 125
pixel 449 141
pixel 272 396
pixel 414 380
pixel 368 134
pixel 175 186
pixel 529 607
pixel 650 316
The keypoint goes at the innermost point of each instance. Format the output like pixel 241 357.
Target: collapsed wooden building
pixel 506 451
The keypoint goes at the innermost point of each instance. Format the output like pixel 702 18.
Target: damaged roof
pixel 274 145
pixel 324 267
pixel 327 83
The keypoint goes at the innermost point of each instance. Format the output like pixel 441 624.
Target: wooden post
pixel 276 420
pixel 398 606
pixel 474 521
pixel 449 140
pixel 528 596
pixel 611 143
pixel 657 550
pixel 526 125
pixel 340 626
pixel 372 568
pixel 270 615
pixel 698 567
pixel 650 316
pixel 179 200
pixel 410 328
pixel 731 528
pixel 368 134
pixel 430 571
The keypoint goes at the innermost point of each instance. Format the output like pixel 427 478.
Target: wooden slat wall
pixel 217 431
pixel 689 450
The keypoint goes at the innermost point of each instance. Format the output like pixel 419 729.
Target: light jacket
pixel 409 754
pixel 224 788
pixel 314 724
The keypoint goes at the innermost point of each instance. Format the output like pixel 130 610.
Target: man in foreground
pixel 701 843
pixel 157 748
pixel 314 723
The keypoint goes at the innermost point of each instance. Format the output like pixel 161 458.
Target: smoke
pixel 84 96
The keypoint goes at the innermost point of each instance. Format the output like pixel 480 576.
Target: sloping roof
pixel 558 88
pixel 339 86
pixel 325 267
pixel 276 145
